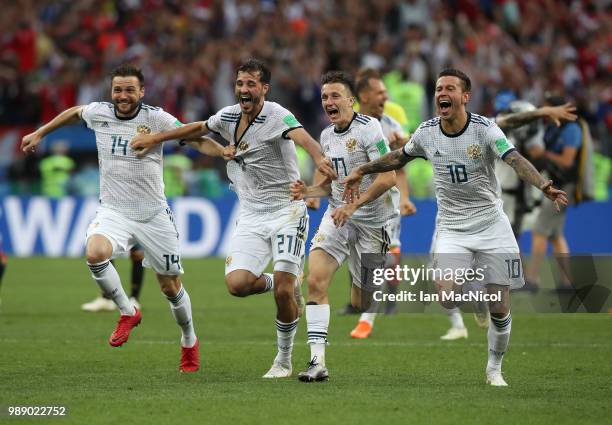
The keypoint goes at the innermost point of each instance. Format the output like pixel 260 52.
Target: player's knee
pixel 237 288
pixel 284 290
pixel 98 252
pixel 169 285
pixel 137 255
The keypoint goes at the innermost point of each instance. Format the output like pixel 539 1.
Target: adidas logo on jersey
pixel 437 153
pixel 104 124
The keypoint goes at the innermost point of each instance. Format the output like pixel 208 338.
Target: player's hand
pixel 229 152
pixel 29 142
pixel 560 113
pixel 351 186
pixel 143 143
pixel 313 203
pixel 325 167
pixel 298 190
pixel 342 214
pixel 558 196
pixel 396 141
pixel 407 207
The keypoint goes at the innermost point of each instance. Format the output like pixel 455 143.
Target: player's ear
pixel 466 96
pixel 266 88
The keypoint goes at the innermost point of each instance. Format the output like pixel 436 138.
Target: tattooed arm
pixel 528 173
pixel 391 161
pixel 557 114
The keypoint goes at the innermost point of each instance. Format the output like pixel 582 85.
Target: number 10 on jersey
pixel 457 173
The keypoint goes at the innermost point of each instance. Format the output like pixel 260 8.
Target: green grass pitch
pixel 559 367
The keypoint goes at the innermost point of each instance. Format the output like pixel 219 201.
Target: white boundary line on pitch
pixel 339 344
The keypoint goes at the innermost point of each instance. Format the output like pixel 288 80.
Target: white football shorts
pixel 352 241
pixel 279 236
pixel 158 237
pixel 492 250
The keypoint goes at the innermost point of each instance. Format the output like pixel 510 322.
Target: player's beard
pixel 132 109
pixel 252 105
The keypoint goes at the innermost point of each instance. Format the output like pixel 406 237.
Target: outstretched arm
pixel 302 138
pixel 527 172
pixel 382 183
pixel 406 205
pixel 557 114
pixel 299 190
pixel 210 147
pixel 391 161
pixel 68 117
pixel 142 143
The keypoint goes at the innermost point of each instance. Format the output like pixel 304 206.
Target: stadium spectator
pixel 55 171
pixel 176 167
pixel 560 158
pixel 502 42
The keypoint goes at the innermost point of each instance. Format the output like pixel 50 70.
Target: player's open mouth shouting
pixel 246 100
pixel 444 106
pixel 333 113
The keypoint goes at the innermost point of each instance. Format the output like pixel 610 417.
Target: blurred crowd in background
pixel 56 54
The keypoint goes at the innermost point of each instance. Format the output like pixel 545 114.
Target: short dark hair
pixel 554 98
pixel 363 78
pixel 452 72
pixel 255 65
pixel 128 70
pixel 341 77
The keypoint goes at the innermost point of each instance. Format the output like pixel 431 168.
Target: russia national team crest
pixel 228 261
pixel 318 238
pixel 350 145
pixel 474 151
pixel 243 146
pixel 143 129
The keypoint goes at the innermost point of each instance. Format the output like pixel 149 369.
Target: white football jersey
pixel 467 190
pixel 266 160
pixel 361 142
pixel 129 185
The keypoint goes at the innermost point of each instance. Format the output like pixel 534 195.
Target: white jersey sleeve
pixel 224 122
pixel 89 111
pixel 284 121
pixel 164 121
pixel 496 140
pixel 374 141
pixel 390 126
pixel 414 147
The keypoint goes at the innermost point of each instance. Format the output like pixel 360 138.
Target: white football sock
pixel 455 317
pixel 269 277
pixel 107 278
pixel 498 337
pixel 180 305
pixel 317 323
pixel 285 333
pixel 368 317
